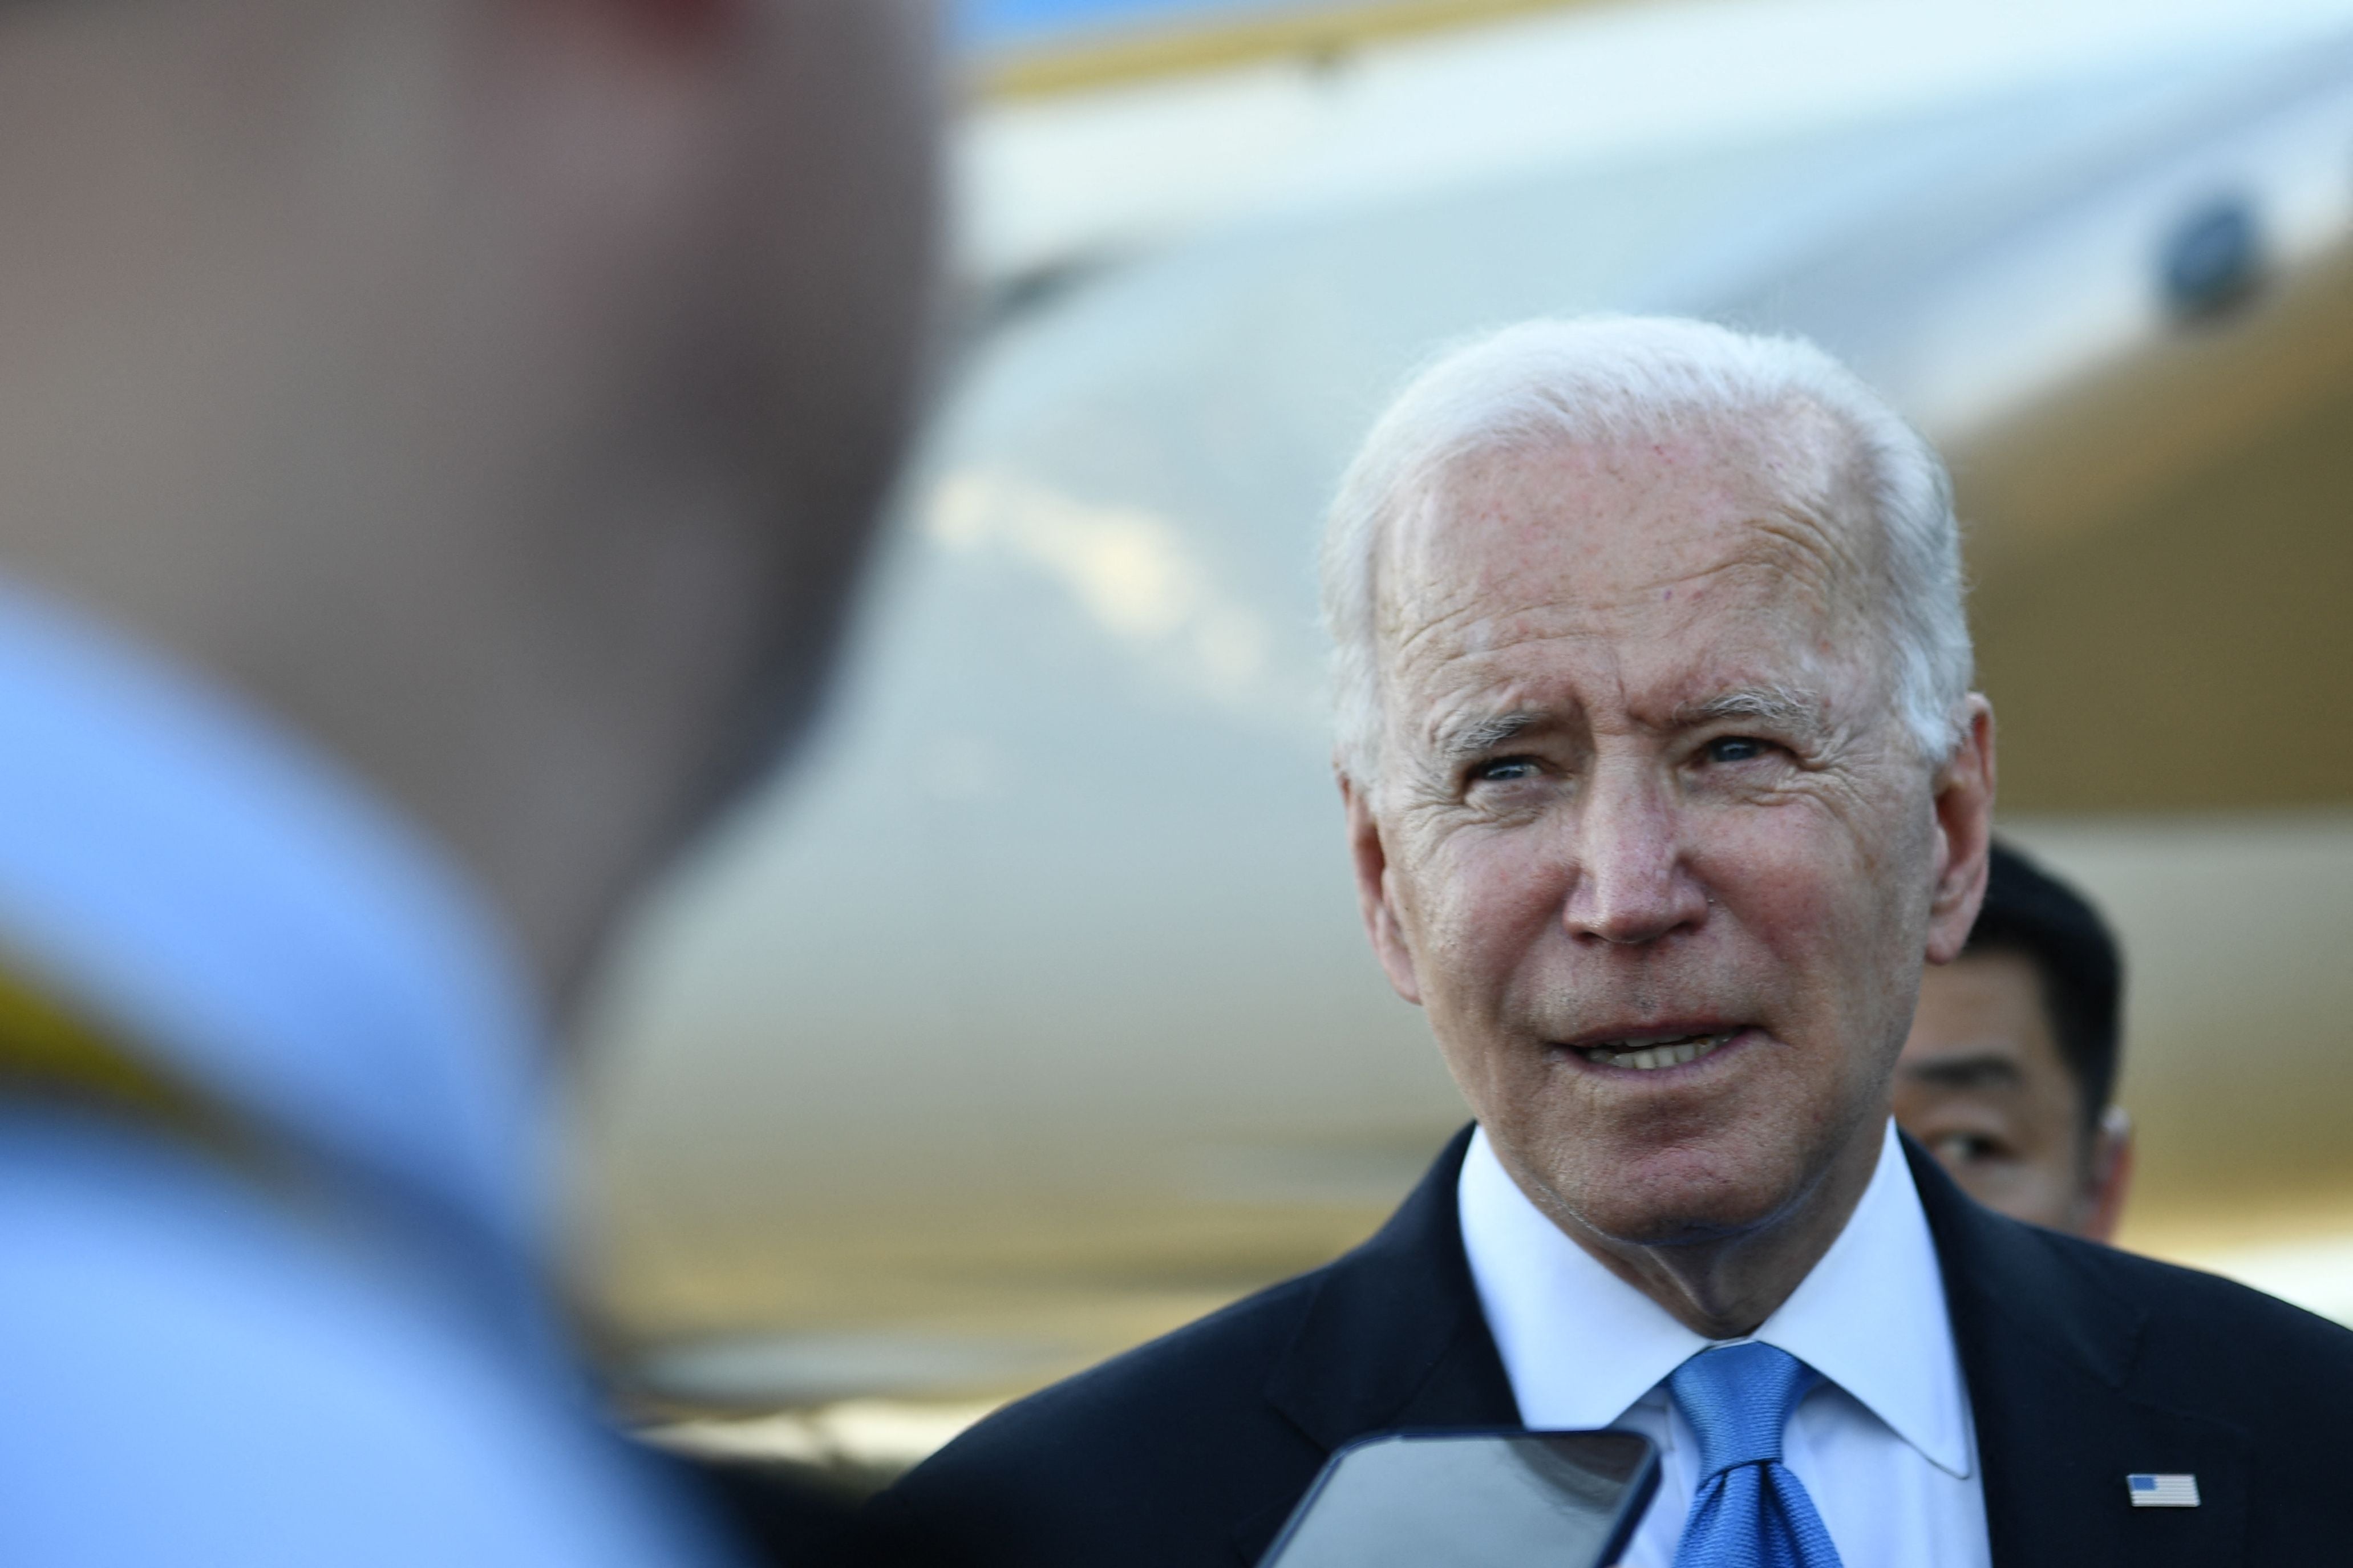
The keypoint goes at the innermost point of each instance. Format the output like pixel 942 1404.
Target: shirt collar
pixel 1871 1317
pixel 230 907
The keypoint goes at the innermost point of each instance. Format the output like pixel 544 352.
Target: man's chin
pixel 1679 1200
pixel 1671 1226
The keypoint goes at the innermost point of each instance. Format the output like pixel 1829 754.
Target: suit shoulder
pixel 2203 1329
pixel 1035 1482
pixel 1158 1394
pixel 1191 1451
pixel 2172 1291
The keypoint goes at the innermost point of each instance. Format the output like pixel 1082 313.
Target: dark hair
pixel 2034 914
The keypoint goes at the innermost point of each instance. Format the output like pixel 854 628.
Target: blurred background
pixel 1031 1016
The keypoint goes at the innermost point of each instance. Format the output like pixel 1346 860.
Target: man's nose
pixel 1632 885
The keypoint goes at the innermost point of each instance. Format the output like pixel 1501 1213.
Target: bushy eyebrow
pixel 1779 705
pixel 1786 708
pixel 1476 737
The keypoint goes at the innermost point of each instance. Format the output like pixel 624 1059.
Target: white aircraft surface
pixel 1032 1016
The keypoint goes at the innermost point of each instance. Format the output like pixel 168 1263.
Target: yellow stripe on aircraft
pixel 1323 33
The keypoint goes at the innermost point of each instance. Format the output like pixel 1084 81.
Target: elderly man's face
pixel 1650 842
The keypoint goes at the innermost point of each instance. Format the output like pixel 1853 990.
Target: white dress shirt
pixel 1884 1443
pixel 353 1358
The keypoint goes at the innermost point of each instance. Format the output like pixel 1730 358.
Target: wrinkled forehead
pixel 1762 514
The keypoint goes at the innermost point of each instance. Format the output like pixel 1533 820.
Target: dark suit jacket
pixel 2084 1364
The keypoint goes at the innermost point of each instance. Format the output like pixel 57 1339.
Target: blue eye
pixel 1504 770
pixel 1734 749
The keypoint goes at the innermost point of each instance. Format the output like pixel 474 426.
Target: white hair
pixel 1607 379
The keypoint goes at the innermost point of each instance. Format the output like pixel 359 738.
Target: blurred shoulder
pixel 270 1393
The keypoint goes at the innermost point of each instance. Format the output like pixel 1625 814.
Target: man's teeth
pixel 1662 1054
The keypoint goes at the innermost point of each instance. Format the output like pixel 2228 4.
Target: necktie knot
pixel 1737 1399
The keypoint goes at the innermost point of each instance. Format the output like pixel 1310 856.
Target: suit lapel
pixel 2050 1352
pixel 1393 1338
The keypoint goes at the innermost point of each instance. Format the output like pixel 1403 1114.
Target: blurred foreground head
pixel 499 391
pixel 2012 1063
pixel 1663 774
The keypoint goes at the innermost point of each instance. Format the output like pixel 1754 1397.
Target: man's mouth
pixel 1648 1055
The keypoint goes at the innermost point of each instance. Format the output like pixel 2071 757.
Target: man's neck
pixel 1724 1287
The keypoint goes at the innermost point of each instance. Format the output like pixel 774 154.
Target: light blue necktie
pixel 1749 1511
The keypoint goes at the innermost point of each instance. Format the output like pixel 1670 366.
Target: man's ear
pixel 1964 807
pixel 1373 895
pixel 2109 1179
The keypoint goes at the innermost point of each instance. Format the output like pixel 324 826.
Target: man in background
pixel 437 437
pixel 2009 1070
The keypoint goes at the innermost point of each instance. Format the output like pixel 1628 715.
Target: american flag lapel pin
pixel 2162 1492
